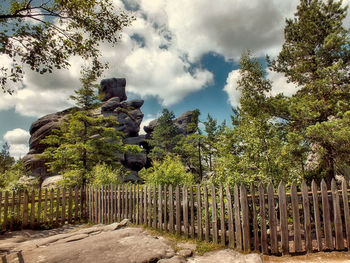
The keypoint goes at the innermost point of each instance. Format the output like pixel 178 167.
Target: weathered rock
pixel 150 127
pixel 132 177
pixel 135 161
pixel 226 256
pixel 134 104
pixel 176 259
pixel 35 164
pixel 111 104
pixel 113 88
pixel 185 253
pixel 50 182
pixel 183 121
pixel 139 140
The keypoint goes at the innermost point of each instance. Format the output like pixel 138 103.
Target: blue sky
pixel 177 54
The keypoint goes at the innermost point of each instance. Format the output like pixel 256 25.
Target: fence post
pixel 222 217
pixel 338 225
pixel 171 208
pixel 199 214
pixel 214 215
pixel 160 208
pixel 307 221
pixel 231 232
pixel 283 218
pixel 346 211
pixel 316 215
pixel 192 225
pixel 237 219
pixel 206 211
pixel 255 220
pixel 263 219
pixel 178 210
pixel 245 218
pixel 326 216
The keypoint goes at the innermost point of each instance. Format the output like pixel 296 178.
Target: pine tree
pixel 316 57
pixel 6 161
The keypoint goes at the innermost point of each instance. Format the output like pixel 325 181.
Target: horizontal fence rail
pixel 40 208
pixel 272 221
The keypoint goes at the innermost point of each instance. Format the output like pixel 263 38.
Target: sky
pixel 177 54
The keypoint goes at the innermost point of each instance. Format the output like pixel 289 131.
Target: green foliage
pixel 103 174
pixel 165 136
pixel 6 161
pixel 253 151
pixel 45 34
pixel 169 171
pixel 9 179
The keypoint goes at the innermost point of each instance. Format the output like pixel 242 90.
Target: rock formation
pixel 114 103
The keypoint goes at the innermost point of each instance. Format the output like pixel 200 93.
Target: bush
pixel 103 174
pixel 169 171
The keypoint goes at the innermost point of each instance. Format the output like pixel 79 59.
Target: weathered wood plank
pixel 154 202
pixel 83 205
pixel 32 209
pixel 25 209
pixel 149 205
pixel 296 219
pixel 58 205
pixel 138 204
pixel 119 204
pixel 13 199
pixel 39 206
pixel 326 216
pixel 206 213
pixel 45 207
pixel 6 208
pixel 171 209
pixel 52 196
pixel 255 220
pixel 76 199
pixel 70 205
pixel 231 234
pixel 178 210
pixel 237 219
pixel 222 216
pixel 165 208
pixel 63 205
pixel 245 218
pixel 307 220
pixel 283 218
pixel 346 211
pixel 199 214
pixel 145 205
pixel 262 213
pixel 160 208
pixel 316 215
pixel 192 225
pixel 1 210
pixel 19 204
pixel 185 209
pixel 214 215
pixel 338 224
pixel 141 205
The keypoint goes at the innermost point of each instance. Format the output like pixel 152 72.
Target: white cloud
pixel 144 123
pixel 279 85
pixel 18 142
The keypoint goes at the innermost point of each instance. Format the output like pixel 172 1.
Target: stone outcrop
pixel 129 116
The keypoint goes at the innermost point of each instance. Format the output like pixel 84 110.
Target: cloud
pixel 279 85
pixel 144 123
pixel 18 142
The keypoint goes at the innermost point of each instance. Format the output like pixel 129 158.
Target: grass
pixel 202 246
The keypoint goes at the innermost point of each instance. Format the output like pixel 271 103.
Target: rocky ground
pixel 120 243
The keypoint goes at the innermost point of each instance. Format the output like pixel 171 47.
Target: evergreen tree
pixel 316 57
pixel 6 161
pixel 165 136
pixel 84 140
pixel 253 150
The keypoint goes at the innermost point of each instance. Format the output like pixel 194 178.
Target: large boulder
pixel 135 161
pixel 113 88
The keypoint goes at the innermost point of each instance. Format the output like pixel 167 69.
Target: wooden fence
pixel 36 209
pixel 263 219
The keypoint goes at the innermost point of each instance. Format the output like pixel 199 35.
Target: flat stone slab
pixel 226 256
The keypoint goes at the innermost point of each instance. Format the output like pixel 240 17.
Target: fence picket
pixel 206 211
pixel 76 201
pixel 263 219
pixel 316 215
pixel 255 220
pixel 185 209
pixel 6 207
pixel 245 218
pixel 346 211
pixel 338 225
pixel 70 205
pixel 165 208
pixel 160 208
pixel 199 214
pixel 58 205
pixel 231 234
pixel 32 209
pixel 149 205
pixel 237 219
pixel 192 226
pixel 1 210
pixel 63 204
pixel 307 221
pixel 326 216
pixel 283 218
pixel 171 209
pixel 296 219
pixel 51 206
pixel 222 217
pixel 272 219
pixel 178 210
pixel 13 199
pixel 18 206
pixel 154 203
pixel 25 209
pixel 214 215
